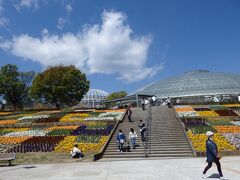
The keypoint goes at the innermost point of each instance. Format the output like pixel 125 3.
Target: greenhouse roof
pixel 194 83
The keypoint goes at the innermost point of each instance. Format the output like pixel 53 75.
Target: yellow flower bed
pixel 184 109
pixel 95 123
pixel 232 105
pixel 61 127
pixel 207 113
pixel 66 145
pixel 16 129
pixel 13 140
pixel 77 117
pixel 199 142
pixel 2 122
pixel 227 129
pixel 5 113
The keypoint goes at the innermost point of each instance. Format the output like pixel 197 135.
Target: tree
pixel 60 85
pixel 14 85
pixel 116 95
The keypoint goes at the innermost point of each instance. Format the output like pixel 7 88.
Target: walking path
pixel 158 169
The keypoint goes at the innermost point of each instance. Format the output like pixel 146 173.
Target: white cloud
pixel 30 4
pixel 44 32
pixel 3 20
pixel 61 22
pixel 108 48
pixel 69 8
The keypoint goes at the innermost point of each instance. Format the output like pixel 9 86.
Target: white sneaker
pixel 223 178
pixel 204 176
pixel 118 150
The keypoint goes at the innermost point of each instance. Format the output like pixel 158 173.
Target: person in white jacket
pixel 76 153
pixel 132 137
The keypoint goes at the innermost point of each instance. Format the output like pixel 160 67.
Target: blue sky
pixel 121 45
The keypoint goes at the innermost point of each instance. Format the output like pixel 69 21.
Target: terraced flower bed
pixel 90 130
pixel 221 119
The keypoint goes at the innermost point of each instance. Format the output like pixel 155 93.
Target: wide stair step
pixel 167 137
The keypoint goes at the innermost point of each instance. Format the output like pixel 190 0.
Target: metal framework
pixel 200 83
pixel 94 98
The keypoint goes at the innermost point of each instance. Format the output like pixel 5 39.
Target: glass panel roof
pixel 194 83
pixel 95 95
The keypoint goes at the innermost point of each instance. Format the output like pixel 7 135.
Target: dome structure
pixel 199 85
pixel 94 98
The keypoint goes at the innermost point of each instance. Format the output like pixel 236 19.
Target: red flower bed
pixel 226 112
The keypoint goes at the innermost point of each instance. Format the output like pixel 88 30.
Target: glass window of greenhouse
pixel 200 86
pixel 94 98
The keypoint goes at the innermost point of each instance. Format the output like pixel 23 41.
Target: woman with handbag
pixel 212 156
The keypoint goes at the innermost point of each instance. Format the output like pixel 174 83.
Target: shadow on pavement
pixel 14 167
pixel 214 176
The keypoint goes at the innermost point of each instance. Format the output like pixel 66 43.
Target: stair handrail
pixel 184 130
pixel 148 122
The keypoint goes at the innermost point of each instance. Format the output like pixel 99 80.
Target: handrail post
pixel 148 120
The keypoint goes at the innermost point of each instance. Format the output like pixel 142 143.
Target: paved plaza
pixel 169 169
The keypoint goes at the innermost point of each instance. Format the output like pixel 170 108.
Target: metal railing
pixel 148 133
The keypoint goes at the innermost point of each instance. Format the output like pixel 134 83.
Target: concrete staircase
pixel 167 137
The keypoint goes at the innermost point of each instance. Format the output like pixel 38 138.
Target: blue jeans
pixel 133 142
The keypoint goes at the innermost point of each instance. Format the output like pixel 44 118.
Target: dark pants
pixel 143 135
pixel 143 107
pixel 217 162
pixel 120 146
pixel 78 155
pixel 129 118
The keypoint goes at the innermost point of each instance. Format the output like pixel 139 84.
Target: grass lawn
pixel 47 158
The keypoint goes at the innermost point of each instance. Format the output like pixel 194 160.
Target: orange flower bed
pixel 115 110
pixel 61 127
pixel 13 140
pixel 227 129
pixel 184 109
pixel 8 122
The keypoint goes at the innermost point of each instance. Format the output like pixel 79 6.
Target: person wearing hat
pixel 212 156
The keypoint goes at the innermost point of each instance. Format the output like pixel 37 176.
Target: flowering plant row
pixel 233 138
pixel 207 111
pixel 227 129
pixel 37 144
pixel 66 145
pixel 199 142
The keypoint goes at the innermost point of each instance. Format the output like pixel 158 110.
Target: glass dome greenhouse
pixel 94 98
pixel 197 86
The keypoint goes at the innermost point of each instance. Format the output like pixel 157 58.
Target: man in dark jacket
pixel 142 129
pixel 120 140
pixel 212 156
pixel 129 114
